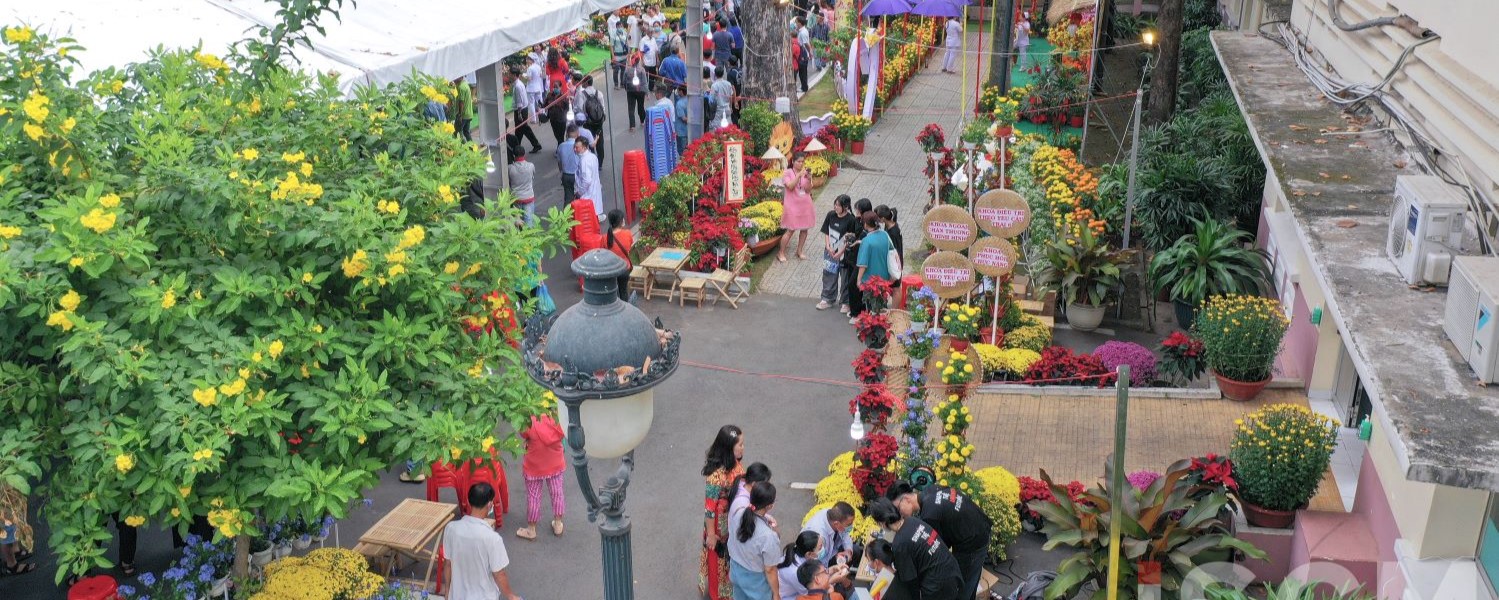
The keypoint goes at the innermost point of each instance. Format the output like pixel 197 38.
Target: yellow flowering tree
pixel 237 297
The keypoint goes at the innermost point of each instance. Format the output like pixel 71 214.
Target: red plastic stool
pixel 445 476
pixel 475 471
pixel 633 175
pixel 909 284
pixel 98 587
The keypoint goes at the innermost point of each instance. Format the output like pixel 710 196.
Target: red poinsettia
pixel 931 138
pixel 871 326
pixel 875 403
pixel 1213 470
pixel 1037 490
pixel 868 366
pixel 1061 366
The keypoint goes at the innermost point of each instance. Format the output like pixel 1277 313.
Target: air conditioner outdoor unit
pixel 1426 228
pixel 1472 307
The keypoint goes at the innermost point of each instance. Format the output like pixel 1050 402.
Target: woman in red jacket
pixel 542 467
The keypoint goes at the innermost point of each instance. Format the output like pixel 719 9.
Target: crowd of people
pixel 932 541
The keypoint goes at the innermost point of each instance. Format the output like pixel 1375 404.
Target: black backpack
pixel 593 108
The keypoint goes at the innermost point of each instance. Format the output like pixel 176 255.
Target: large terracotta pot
pixel 765 245
pixel 1242 391
pixel 1260 516
pixel 1084 317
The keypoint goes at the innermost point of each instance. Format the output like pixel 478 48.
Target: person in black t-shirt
pixel 848 288
pixel 958 519
pixel 835 224
pixel 922 562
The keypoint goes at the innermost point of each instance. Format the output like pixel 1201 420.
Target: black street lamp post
pixel 601 358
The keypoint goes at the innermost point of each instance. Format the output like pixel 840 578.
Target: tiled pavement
pixel 1072 436
pixel 889 172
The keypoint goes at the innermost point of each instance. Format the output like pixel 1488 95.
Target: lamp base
pixel 619 576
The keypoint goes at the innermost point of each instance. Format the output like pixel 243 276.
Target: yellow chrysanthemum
pixel 135 520
pixel 109 200
pixel 70 301
pixel 206 396
pixel 124 463
pixel 169 298
pixel 98 220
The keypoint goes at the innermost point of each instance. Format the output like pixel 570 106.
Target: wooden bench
pixel 720 280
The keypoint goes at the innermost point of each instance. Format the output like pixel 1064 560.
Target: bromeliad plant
pixel 1280 453
pixel 194 259
pixel 1081 268
pixel 1152 532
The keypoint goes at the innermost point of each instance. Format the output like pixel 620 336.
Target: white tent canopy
pixel 377 42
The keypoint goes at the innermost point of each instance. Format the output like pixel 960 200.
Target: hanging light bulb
pixel 724 122
pixel 570 115
pixel 635 80
pixel 489 167
pixel 856 430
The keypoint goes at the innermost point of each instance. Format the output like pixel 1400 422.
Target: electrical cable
pixel 1337 19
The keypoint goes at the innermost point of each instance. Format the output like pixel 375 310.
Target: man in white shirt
pixel 475 552
pixel 588 186
pixel 954 41
pixel 535 80
pixel 723 99
pixel 648 49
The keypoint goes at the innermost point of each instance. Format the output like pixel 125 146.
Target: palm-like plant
pixel 1213 260
pixel 1291 589
pixel 1171 522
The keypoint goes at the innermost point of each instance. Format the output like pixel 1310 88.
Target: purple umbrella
pixel 880 8
pixel 940 8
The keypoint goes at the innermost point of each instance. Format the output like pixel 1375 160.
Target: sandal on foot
pixel 557 528
pixel 21 568
pixel 525 534
pixel 409 477
pixel 127 568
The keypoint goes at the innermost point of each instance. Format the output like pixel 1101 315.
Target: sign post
pixel 733 169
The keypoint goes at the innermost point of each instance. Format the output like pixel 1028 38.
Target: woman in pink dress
pixel 798 216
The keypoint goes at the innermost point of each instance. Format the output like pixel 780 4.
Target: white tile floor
pixel 1347 458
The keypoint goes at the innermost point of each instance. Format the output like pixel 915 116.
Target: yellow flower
pixel 233 388
pixel 116 86
pixel 488 443
pixel 256 358
pixel 306 277
pixel 275 349
pixel 206 396
pixel 60 319
pixel 109 200
pixel 472 270
pixel 135 520
pixel 412 236
pixel 455 452
pixel 210 61
pixel 397 256
pixel 202 455
pixel 34 132
pixel 450 268
pixel 68 124
pixel 69 301
pixel 395 270
pixel 356 264
pixel 444 127
pixel 293 158
pixel 10 232
pixel 184 491
pixel 306 169
pixel 98 220
pixel 169 298
pixel 445 194
pixel 176 512
pixel 477 370
pixel 18 35
pixel 35 106
pixel 249 154
pixel 124 463
pixel 317 327
pixel 388 206
pixel 305 372
pixel 362 439
pixel 967 368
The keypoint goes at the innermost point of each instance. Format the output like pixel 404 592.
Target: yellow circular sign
pixel 949 227
pixel 1002 213
pixel 949 274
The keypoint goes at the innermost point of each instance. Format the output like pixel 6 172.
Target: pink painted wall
pixel 1369 500
pixel 1301 338
pixel 1277 546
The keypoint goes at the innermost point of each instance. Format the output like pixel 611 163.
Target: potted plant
pixel 919 304
pixel 868 366
pixel 260 551
pixel 1241 335
pixel 877 293
pixel 962 323
pixel 1183 359
pixel 818 168
pixel 1213 260
pixel 764 224
pixel 873 329
pixel 919 344
pixel 1082 270
pixel 1279 454
pixel 1006 112
pixel 976 132
pixel 854 127
pixel 932 140
pixel 874 404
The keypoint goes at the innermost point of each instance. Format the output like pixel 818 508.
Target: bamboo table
pixel 663 261
pixel 413 529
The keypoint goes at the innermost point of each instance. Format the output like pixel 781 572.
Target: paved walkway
pixel 889 171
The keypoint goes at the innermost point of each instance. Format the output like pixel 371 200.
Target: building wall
pixel 1451 86
pixel 1437 521
pixel 1313 349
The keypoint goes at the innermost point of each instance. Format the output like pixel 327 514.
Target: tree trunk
pixel 768 72
pixel 1002 15
pixel 1163 83
pixel 242 557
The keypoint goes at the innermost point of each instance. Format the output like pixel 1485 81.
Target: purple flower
pixel 1140 359
pixel 147 579
pixel 368 502
pixel 125 591
pixel 1142 479
pixel 174 574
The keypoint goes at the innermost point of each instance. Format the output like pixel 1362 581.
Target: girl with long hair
pixel 755 548
pixel 617 239
pixel 805 547
pixel 721 469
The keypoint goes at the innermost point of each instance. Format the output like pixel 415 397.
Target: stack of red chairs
pixel 465 474
pixel 634 175
pixel 588 225
pixel 908 284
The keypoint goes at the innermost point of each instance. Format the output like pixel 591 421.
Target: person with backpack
pixel 888 220
pixel 674 69
pixel 591 101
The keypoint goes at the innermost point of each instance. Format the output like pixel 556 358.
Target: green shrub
pixel 759 119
